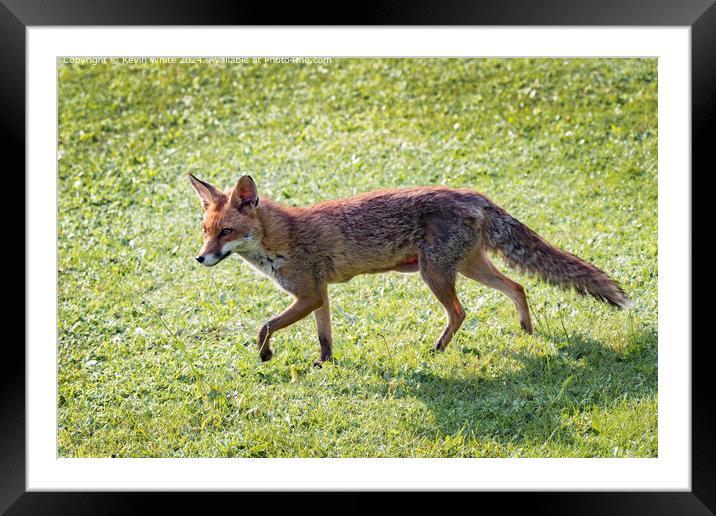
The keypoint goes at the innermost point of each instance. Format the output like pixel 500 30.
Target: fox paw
pixel 319 361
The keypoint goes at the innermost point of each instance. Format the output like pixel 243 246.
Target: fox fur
pixel 434 230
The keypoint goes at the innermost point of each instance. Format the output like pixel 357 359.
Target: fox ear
pixel 245 194
pixel 207 193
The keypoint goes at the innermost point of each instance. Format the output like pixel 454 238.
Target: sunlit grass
pixel 156 354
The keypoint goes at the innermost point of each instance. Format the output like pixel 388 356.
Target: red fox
pixel 435 230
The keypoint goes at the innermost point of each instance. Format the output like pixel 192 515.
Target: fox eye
pixel 226 231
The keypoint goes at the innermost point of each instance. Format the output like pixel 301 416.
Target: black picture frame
pixel 17 15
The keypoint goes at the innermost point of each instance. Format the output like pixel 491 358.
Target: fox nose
pixel 200 259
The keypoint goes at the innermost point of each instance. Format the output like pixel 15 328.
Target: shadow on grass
pixel 531 403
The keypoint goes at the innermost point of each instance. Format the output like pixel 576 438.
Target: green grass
pixel 156 354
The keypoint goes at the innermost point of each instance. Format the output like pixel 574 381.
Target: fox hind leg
pixel 477 266
pixel 441 281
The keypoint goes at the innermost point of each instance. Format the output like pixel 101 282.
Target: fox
pixel 437 231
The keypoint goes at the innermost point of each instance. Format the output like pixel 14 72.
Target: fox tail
pixel 528 252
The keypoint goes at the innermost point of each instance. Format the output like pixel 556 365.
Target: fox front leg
pixel 263 342
pixel 323 325
pixel 297 311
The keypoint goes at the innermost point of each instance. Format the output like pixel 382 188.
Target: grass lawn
pixel 156 354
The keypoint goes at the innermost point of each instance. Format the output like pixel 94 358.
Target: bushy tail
pixel 525 250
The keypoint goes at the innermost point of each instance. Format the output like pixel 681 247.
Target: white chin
pixel 210 261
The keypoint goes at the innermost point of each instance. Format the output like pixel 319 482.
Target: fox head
pixel 230 219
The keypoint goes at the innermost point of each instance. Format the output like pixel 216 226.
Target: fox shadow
pixel 530 402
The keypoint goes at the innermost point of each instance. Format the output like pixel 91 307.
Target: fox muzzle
pixel 209 260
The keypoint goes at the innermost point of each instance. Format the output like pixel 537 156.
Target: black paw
pixel 319 361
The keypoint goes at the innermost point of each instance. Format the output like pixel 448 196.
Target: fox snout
pixel 211 259
pixel 210 255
